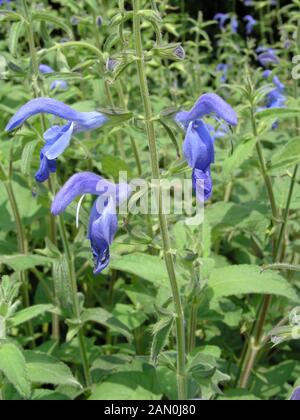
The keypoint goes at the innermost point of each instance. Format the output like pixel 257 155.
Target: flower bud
pixel 170 51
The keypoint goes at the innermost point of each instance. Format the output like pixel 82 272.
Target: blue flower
pixel 250 23
pixel 275 98
pixel 198 147
pixel 296 395
pixel 103 224
pixel 248 3
pixel 57 138
pixel 267 56
pixel 57 84
pixel 223 68
pixel 2 2
pixel 222 18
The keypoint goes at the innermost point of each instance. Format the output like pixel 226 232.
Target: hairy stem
pixel 150 128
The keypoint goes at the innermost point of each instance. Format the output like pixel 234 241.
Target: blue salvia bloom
pixel 57 138
pixel 250 23
pixel 198 147
pixel 103 223
pixel 3 2
pixel 296 395
pixel 267 56
pixel 222 18
pixel 223 68
pixel 248 3
pixel 57 84
pixel 275 98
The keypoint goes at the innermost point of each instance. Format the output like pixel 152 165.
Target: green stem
pixel 254 342
pixel 192 328
pixel 22 241
pixel 76 305
pixel 150 128
pixel 132 139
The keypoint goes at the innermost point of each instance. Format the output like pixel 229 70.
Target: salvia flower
pixel 198 147
pixel 267 56
pixel 275 98
pixel 4 2
pixel 223 68
pixel 248 3
pixel 222 18
pixel 250 23
pixel 103 223
pixel 296 395
pixel 58 137
pixel 57 84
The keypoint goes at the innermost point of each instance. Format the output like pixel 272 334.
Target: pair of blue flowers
pixel 103 218
pixel 198 150
pixel 222 18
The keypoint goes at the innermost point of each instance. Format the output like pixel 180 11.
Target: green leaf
pixel 287 156
pixel 103 317
pixel 14 34
pixel 30 313
pixel 19 262
pixel 27 156
pixel 242 152
pixel 113 165
pixel 161 334
pixel 13 366
pixel 148 267
pixel 137 381
pixel 248 279
pixel 44 369
pixel 55 20
pixel 62 285
pixel 277 113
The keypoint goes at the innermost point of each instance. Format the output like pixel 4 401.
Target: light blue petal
pixel 60 144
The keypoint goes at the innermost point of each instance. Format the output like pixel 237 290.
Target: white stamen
pixel 78 210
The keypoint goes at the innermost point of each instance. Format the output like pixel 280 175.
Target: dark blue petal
pixel 46 167
pixel 102 230
pixel 202 184
pixel 198 147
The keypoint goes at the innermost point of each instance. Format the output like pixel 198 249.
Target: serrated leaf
pixel 248 279
pixel 13 366
pixel 44 369
pixel 287 156
pixel 20 262
pixel 103 317
pixel 30 313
